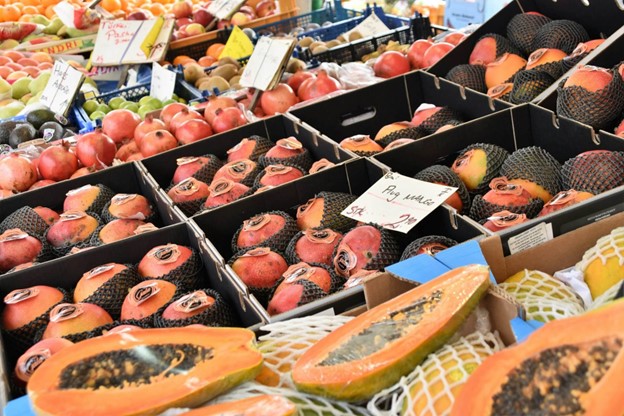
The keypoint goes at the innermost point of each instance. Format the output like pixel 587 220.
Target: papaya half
pixel 144 372
pixel 572 366
pixel 372 351
pixel 263 405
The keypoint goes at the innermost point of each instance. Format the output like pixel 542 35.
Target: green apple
pixel 20 87
pixel 169 101
pixel 130 105
pixel 144 109
pixel 103 108
pixel 154 102
pixel 90 106
pixel 97 115
pixel 144 100
pixel 116 102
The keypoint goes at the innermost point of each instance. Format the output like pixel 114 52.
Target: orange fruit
pixel 206 61
pixel 26 18
pixel 11 13
pixel 157 9
pixel 111 5
pixel 49 12
pixel 215 50
pixel 181 60
pixel 48 3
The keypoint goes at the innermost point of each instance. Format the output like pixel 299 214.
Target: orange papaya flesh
pixel 372 351
pixel 572 366
pixel 264 405
pixel 144 372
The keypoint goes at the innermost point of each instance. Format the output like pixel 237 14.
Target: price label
pixel 223 9
pixel 64 83
pixel 163 82
pixel 267 62
pixel 238 45
pixel 398 202
pixel 370 26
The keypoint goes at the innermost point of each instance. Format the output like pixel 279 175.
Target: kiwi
pixel 355 35
pixel 295 65
pixel 218 82
pixel 234 80
pixel 200 80
pixel 333 43
pixel 316 44
pixel 319 49
pixel 225 71
pixel 228 60
pixel 305 42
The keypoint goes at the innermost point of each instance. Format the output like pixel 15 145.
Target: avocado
pixel 38 117
pixel 22 133
pixel 56 131
pixel 6 127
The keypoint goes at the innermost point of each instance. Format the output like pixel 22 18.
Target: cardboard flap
pixel 462 255
pixel 419 269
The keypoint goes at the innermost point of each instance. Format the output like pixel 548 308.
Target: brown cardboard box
pixel 557 254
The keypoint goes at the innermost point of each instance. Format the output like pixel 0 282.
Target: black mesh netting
pixel 503 45
pixel 389 253
pixel 294 257
pixel 333 204
pixel 258 181
pixel 186 276
pixel 440 243
pixel 220 313
pixel 594 172
pixel 302 159
pixel 528 84
pixel 470 76
pixel 102 199
pixel 560 34
pixel 440 118
pixel 311 292
pixel 96 332
pixel 111 295
pixel 27 220
pixel 22 338
pixel 444 175
pixel 409 133
pixel 598 109
pixel 235 171
pixel 554 69
pixel 108 217
pixel 64 249
pixel 482 209
pixel 208 170
pixel 278 241
pixel 335 282
pixel 522 28
pixel 262 145
pixel 365 153
pixel 495 155
pixel 188 208
pixel 536 165
pixel 570 61
pixel 501 92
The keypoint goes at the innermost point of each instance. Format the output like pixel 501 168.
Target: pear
pixel 5 89
pixel 41 20
pixel 53 27
pixel 20 87
pixel 9 44
pixel 26 97
pixel 11 110
pixel 38 84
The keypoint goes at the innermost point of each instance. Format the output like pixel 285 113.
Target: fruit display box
pixel 512 129
pixel 354 177
pixel 162 167
pixel 600 18
pixel 66 272
pixel 366 110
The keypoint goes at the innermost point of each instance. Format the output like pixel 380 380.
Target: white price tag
pixel 398 202
pixel 224 9
pixel 267 62
pixel 371 26
pixel 163 82
pixel 532 237
pixel 64 83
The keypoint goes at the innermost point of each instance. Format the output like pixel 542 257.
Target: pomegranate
pixel 157 142
pixel 57 163
pixel 95 149
pixel 416 53
pixel 436 52
pixel 17 173
pixel 214 103
pixel 41 184
pixel 182 116
pixel 83 171
pixel 147 125
pixel 193 130
pixel 120 124
pixel 297 79
pixel 317 87
pixel 169 111
pixel 278 100
pixel 390 64
pixel 227 119
pixel 127 150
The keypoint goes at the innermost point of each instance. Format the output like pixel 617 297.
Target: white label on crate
pixel 224 9
pixel 532 237
pixel 64 83
pixel 398 202
pixel 371 26
pixel 163 82
pixel 267 62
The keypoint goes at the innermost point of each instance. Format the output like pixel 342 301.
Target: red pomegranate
pixel 57 163
pixel 17 173
pixel 146 126
pixel 317 87
pixel 278 100
pixel 170 110
pixel 95 149
pixel 119 124
pixel 390 64
pixel 157 142
pixel 193 130
pixel 297 79
pixel 182 116
pixel 227 119
pixel 214 103
pixel 416 53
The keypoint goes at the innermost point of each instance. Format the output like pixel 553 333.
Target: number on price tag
pixel 267 62
pixel 64 83
pixel 397 202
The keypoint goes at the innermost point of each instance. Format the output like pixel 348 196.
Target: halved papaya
pixel 263 405
pixel 144 372
pixel 572 366
pixel 374 350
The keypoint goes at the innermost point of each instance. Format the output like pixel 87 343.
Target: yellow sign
pixel 238 45
pixel 150 39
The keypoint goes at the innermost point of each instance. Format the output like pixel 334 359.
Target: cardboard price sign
pixel 163 82
pixel 121 42
pixel 223 9
pixel 370 26
pixel 398 202
pixel 62 87
pixel 267 62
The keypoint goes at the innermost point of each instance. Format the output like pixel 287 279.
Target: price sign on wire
pixel 267 63
pixel 398 202
pixel 163 82
pixel 223 9
pixel 62 87
pixel 238 45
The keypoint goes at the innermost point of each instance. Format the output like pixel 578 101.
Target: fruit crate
pixel 366 110
pixel 600 18
pixel 513 129
pixel 354 176
pixel 162 167
pixel 182 89
pixel 607 56
pixel 65 272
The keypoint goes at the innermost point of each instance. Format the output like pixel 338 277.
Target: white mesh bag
pixel 606 297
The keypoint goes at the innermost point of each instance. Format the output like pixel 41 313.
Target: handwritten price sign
pixel 397 202
pixel 61 89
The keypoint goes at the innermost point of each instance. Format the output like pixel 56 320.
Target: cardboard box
pixel 366 110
